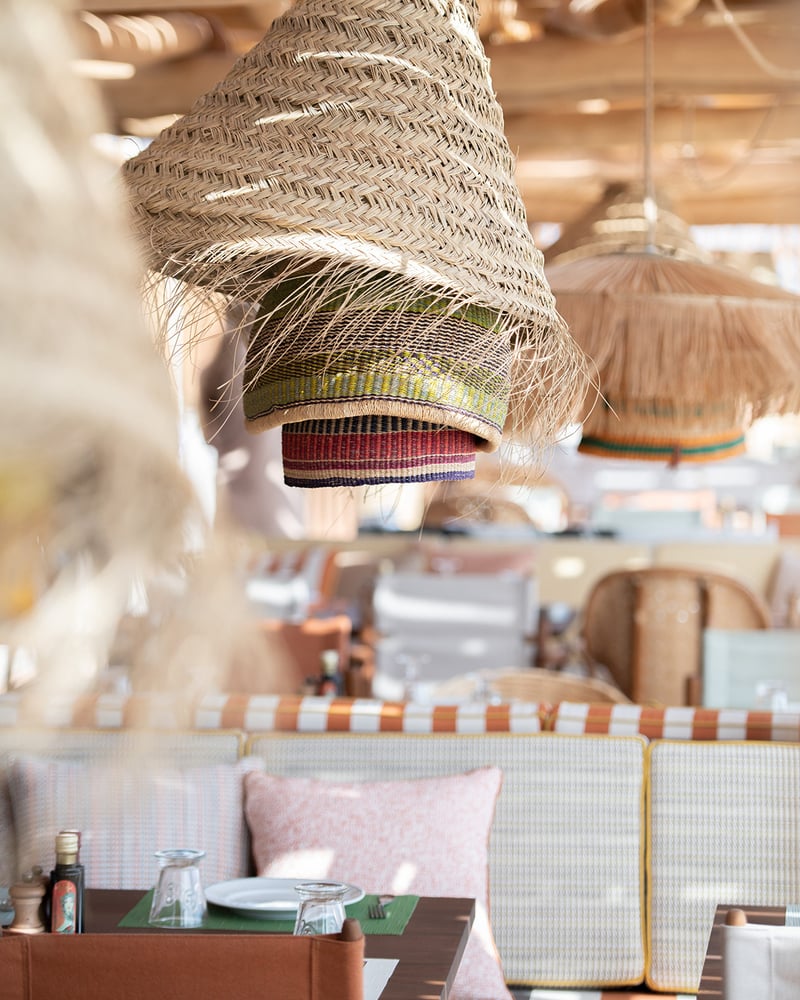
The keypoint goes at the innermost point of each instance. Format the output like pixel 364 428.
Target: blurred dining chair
pixel 751 668
pixel 759 961
pixel 287 653
pixel 530 684
pixel 443 624
pixel 645 626
pixel 192 966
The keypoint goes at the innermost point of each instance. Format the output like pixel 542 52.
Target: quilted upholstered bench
pixel 616 831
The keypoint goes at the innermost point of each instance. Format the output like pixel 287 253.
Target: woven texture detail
pixel 320 138
pixel 365 367
pixel 578 799
pixel 126 813
pixel 351 176
pixel 93 746
pixel 717 831
pixel 364 450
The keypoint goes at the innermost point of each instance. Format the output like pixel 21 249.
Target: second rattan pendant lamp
pixel 688 353
pixel 350 179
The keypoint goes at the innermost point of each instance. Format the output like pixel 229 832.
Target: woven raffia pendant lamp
pixel 350 179
pixel 688 353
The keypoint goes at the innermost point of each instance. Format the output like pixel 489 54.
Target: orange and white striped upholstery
pixel 95 711
pixel 674 723
pixel 265 713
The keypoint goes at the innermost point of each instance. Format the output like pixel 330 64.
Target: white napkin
pixel 761 962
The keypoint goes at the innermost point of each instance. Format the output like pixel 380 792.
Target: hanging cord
pixel 767 67
pixel 650 208
pixel 742 161
pixel 760 60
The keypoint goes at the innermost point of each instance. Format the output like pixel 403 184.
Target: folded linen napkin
pixel 761 962
pixel 398 913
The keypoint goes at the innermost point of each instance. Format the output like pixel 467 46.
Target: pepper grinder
pixel 27 896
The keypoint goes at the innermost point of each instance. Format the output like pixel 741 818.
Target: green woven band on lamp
pixel 429 408
pixel 669 449
pixel 648 430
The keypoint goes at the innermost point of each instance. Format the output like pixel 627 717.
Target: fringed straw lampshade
pixel 350 179
pixel 688 353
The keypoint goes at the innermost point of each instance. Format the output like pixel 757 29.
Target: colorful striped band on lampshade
pixel 368 450
pixel 645 431
pixel 667 449
pixel 431 407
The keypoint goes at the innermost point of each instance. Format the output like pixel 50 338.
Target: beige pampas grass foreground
pixel 92 496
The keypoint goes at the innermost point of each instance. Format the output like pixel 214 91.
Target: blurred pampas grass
pixel 92 496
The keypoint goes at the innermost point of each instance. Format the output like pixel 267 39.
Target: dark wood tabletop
pixel 711 979
pixel 429 950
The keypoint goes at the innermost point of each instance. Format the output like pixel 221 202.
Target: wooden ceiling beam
pixel 690 59
pixel 703 127
pixel 770 195
pixel 152 6
pixel 690 62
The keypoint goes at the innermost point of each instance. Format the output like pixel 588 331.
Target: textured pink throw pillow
pixel 427 837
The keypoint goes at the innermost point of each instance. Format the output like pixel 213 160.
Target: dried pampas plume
pixel 92 496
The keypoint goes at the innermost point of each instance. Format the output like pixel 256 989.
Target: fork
pixel 376 910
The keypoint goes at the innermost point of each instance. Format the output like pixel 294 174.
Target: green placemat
pixel 398 913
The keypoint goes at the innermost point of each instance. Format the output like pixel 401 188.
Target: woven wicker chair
pixel 646 627
pixel 531 684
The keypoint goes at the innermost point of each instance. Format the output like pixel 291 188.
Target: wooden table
pixel 429 950
pixel 711 979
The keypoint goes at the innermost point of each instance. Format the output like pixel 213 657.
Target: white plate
pixel 265 898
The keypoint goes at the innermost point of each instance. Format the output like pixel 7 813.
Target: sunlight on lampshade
pixel 395 333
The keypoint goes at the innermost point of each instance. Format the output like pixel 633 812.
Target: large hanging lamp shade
pixel 351 179
pixel 688 353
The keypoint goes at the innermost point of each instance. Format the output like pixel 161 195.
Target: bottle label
pixel 64 907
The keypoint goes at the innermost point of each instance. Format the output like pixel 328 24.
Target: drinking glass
pixel 178 898
pixel 321 908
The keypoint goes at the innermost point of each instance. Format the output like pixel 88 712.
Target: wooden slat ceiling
pixel 570 79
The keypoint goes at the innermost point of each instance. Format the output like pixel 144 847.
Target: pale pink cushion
pixel 427 837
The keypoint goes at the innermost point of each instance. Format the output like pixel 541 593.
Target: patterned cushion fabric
pixel 426 837
pixel 126 813
pixel 723 828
